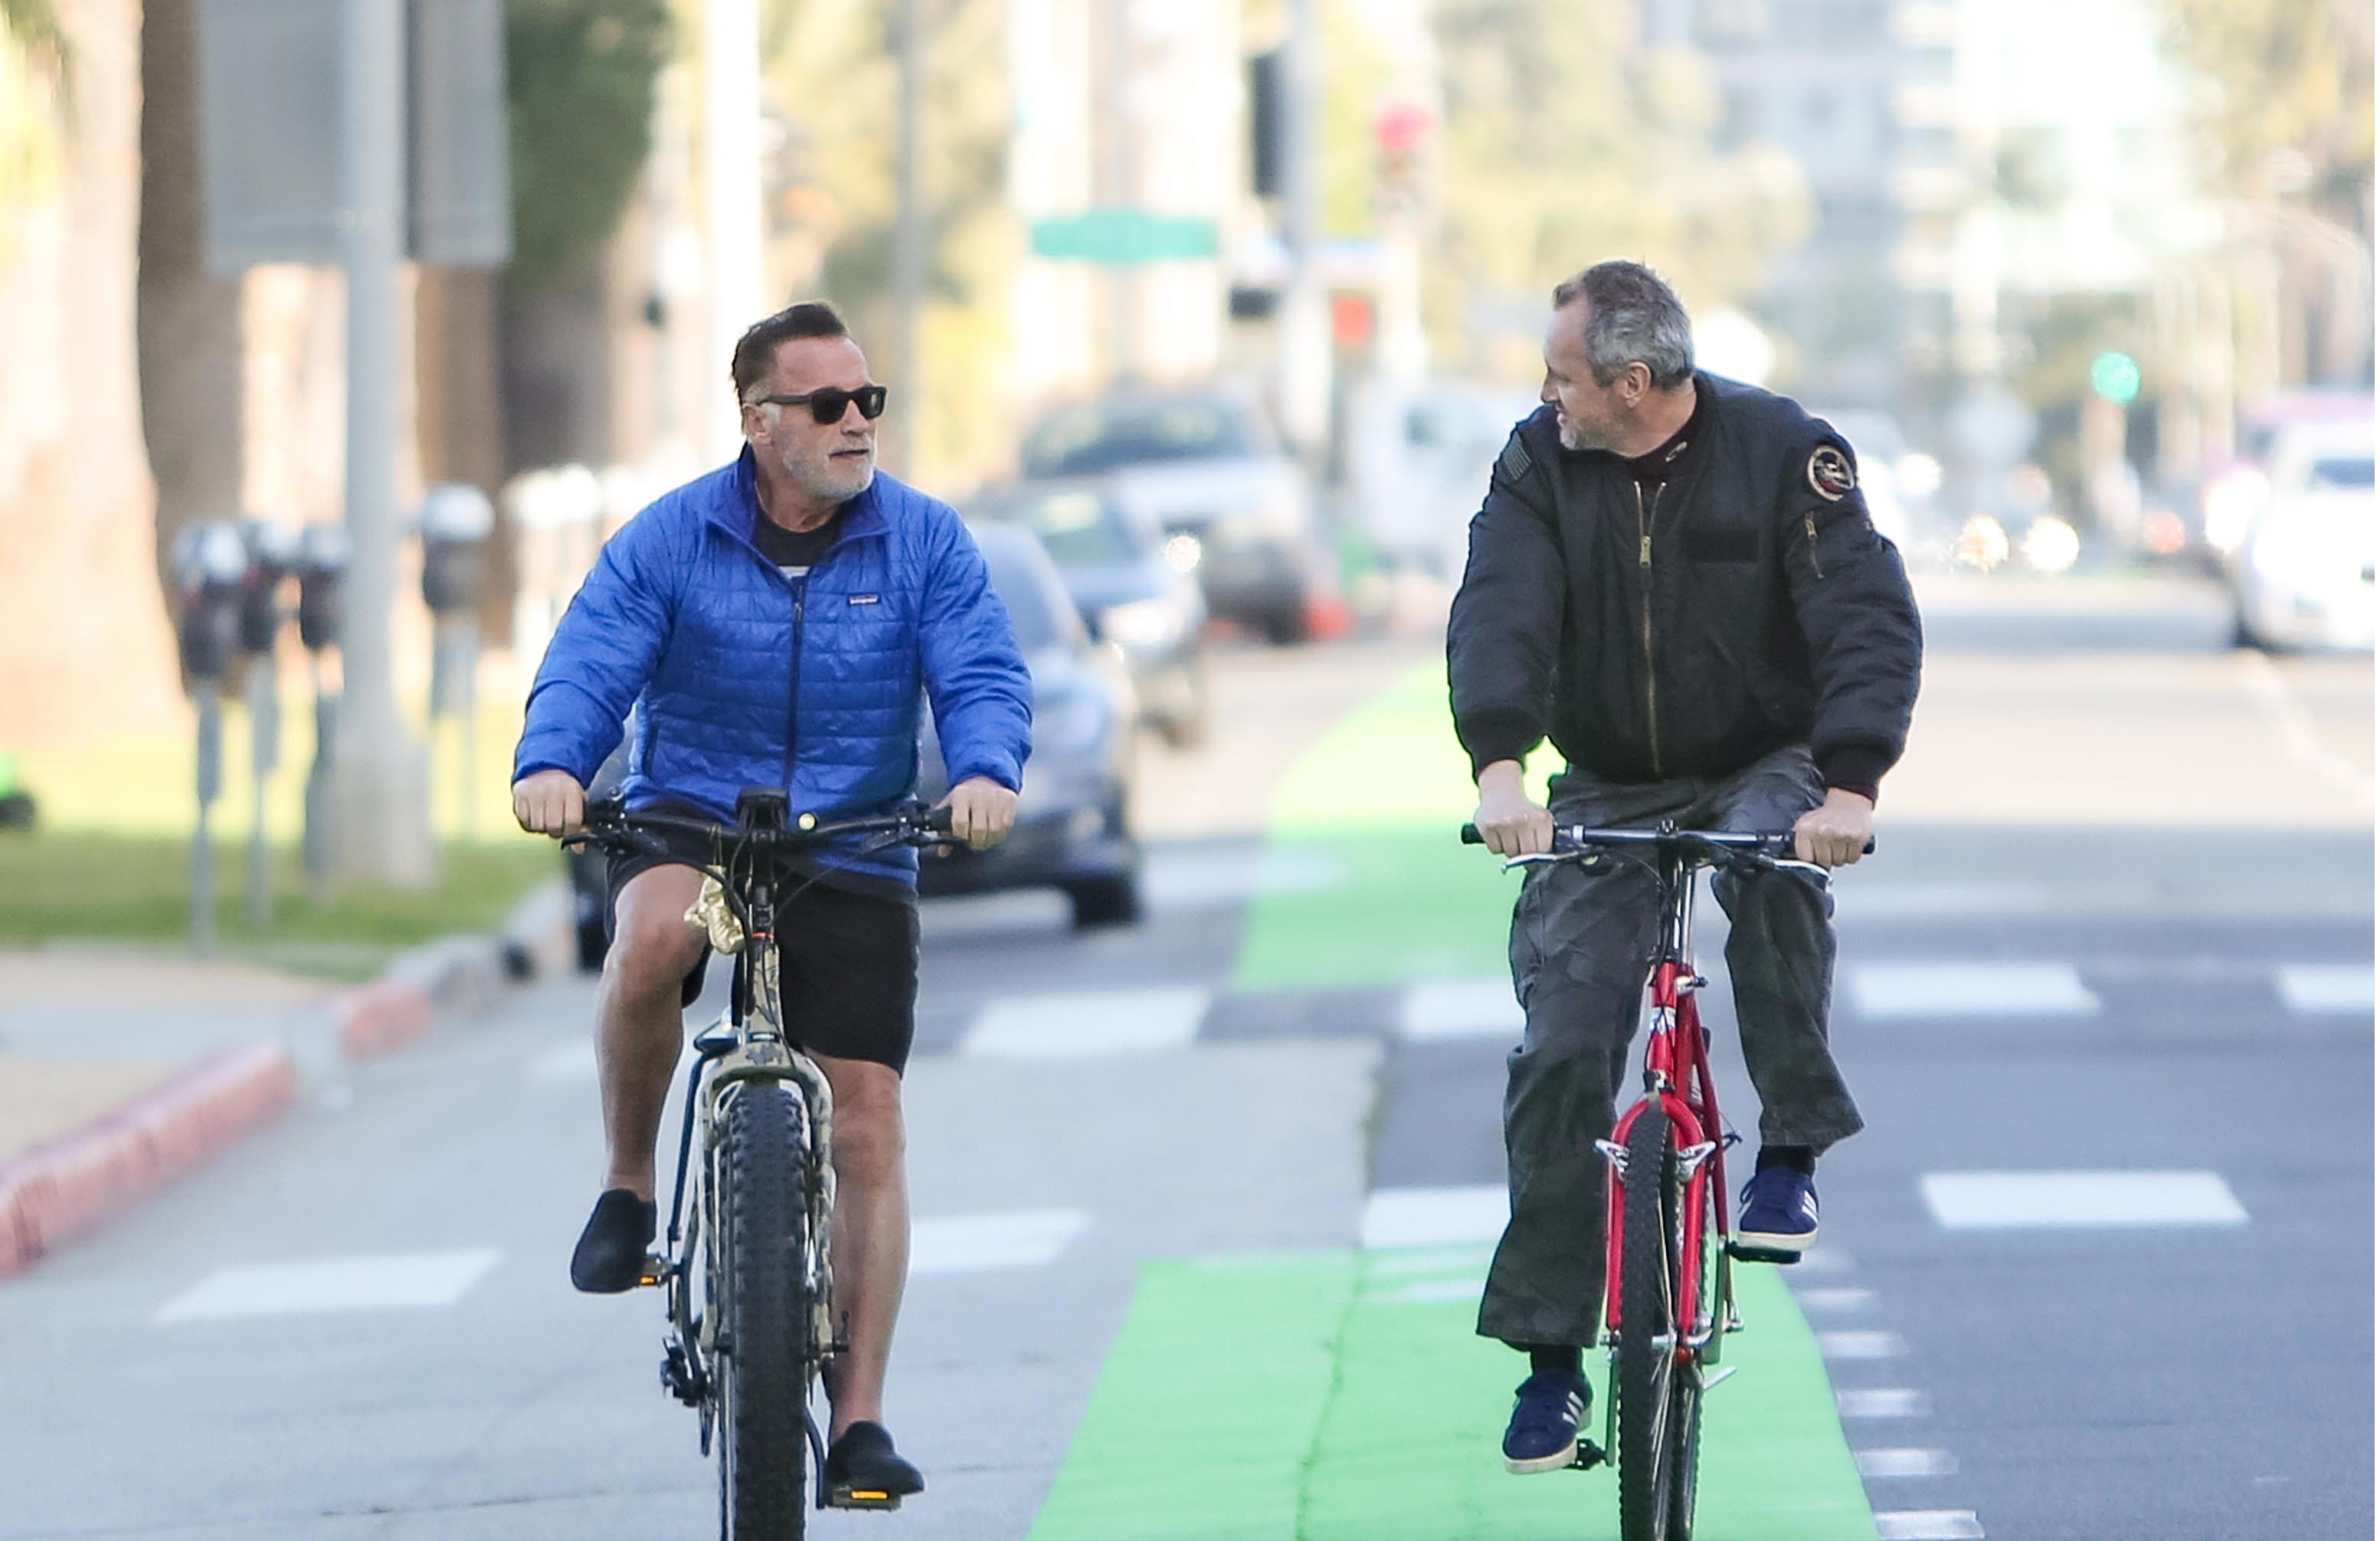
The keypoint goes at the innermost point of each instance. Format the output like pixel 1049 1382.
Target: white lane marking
pixel 1861 1345
pixel 1884 992
pixel 1442 1008
pixel 1435 1217
pixel 391 1282
pixel 2025 1200
pixel 573 1064
pixel 2313 990
pixel 1871 902
pixel 1088 1023
pixel 1835 1302
pixel 988 1244
pixel 1928 1525
pixel 1904 1464
pixel 2300 733
pixel 1894 1403
pixel 1823 1259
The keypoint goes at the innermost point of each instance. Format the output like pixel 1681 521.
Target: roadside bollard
pixel 321 572
pixel 272 554
pixel 457 519
pixel 210 562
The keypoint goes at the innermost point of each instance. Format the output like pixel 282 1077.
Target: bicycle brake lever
pixel 1554 858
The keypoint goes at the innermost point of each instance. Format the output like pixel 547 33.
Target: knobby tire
pixel 1658 1397
pixel 763 1369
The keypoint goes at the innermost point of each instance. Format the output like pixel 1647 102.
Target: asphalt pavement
pixel 2100 1265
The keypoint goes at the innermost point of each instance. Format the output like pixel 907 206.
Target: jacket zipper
pixel 1644 518
pixel 793 689
pixel 1809 529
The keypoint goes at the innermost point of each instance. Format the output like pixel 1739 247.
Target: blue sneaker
pixel 1543 1435
pixel 1780 1214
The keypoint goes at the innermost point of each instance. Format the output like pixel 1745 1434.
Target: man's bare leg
pixel 871 1243
pixel 640 1026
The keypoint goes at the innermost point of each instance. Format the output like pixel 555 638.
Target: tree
pixel 1567 143
pixel 2288 98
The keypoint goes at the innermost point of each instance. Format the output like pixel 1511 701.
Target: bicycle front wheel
pixel 1658 1394
pixel 761 1370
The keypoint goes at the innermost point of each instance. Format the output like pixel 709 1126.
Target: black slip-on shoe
pixel 610 1259
pixel 863 1471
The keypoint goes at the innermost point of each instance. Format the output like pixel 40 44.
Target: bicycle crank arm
pixel 1590 1455
pixel 1719 1375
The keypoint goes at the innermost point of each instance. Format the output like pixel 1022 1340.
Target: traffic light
pixel 2116 377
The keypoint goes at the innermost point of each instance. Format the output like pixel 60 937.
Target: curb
pixel 65 1186
pixel 69 1185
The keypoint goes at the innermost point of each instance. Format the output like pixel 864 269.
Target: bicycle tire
pixel 761 1369
pixel 1644 1369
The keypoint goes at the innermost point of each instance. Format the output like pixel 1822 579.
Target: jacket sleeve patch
pixel 1514 461
pixel 1830 474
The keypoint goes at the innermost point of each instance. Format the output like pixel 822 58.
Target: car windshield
pixel 1017 579
pixel 1078 529
pixel 1083 441
pixel 2348 471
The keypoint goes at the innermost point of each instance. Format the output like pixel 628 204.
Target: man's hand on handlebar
pixel 550 802
pixel 1837 831
pixel 982 812
pixel 1510 824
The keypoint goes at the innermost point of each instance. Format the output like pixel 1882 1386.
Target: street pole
pixel 730 153
pixel 1305 321
pixel 908 244
pixel 263 758
pixel 203 841
pixel 382 800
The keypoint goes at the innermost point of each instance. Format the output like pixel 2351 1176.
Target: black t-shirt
pixel 795 551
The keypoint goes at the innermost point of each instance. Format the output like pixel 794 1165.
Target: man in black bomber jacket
pixel 1673 577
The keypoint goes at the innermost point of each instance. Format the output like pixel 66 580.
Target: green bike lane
pixel 1325 1395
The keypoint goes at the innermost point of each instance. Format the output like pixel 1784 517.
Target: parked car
pixel 2303 577
pixel 1417 456
pixel 1130 582
pixel 1073 828
pixel 1207 466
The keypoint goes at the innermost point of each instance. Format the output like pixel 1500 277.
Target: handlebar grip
pixel 1471 835
pixel 936 820
pixel 605 810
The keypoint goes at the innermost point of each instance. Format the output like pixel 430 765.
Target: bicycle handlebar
pixel 1581 836
pixel 611 822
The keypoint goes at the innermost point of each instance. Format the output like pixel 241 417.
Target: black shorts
pixel 847 965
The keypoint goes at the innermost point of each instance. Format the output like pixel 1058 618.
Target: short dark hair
pixel 755 351
pixel 1631 317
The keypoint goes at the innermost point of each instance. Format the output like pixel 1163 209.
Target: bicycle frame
pixel 1678 1085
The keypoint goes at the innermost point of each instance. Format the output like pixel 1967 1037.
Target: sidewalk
pixel 124 1070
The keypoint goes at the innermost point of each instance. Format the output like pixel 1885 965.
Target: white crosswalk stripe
pixel 1088 1023
pixel 1442 1008
pixel 1861 1345
pixel 1884 1403
pixel 1928 1525
pixel 2043 1200
pixel 1953 991
pixel 1904 1463
pixel 1818 1303
pixel 2316 989
pixel 317 1286
pixel 1435 1217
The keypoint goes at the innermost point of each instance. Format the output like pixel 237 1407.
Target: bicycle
pixel 1668 1292
pixel 750 1292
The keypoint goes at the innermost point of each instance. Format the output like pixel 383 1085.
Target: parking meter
pixel 457 519
pixel 322 574
pixel 211 569
pixel 321 581
pixel 272 555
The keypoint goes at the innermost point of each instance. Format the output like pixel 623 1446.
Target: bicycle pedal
pixel 841 1497
pixel 1590 1455
pixel 1744 1253
pixel 654 1273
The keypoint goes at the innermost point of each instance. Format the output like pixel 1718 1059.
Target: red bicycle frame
pixel 1678 1084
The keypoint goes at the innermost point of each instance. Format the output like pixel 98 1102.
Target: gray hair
pixel 1631 317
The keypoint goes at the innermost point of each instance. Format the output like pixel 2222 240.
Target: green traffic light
pixel 2116 376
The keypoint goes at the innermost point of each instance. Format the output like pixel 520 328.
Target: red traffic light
pixel 1402 127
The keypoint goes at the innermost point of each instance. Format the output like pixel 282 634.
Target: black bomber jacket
pixel 1688 629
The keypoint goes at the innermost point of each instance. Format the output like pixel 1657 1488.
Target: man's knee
pixel 869 1136
pixel 653 949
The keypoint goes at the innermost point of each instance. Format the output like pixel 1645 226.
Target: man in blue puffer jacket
pixel 772 623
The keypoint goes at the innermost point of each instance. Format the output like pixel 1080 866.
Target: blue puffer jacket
pixel 742 677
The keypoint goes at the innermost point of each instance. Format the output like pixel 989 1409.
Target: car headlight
pixel 1141 624
pixel 1182 551
pixel 1070 722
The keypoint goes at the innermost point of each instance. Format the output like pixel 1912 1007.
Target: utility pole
pixel 731 154
pixel 908 245
pixel 1305 321
pixel 382 793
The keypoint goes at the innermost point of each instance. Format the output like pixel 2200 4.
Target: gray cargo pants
pixel 1581 942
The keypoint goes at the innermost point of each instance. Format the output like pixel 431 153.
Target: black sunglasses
pixel 827 405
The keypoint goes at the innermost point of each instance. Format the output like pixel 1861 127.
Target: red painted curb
pixel 380 1017
pixel 69 1184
